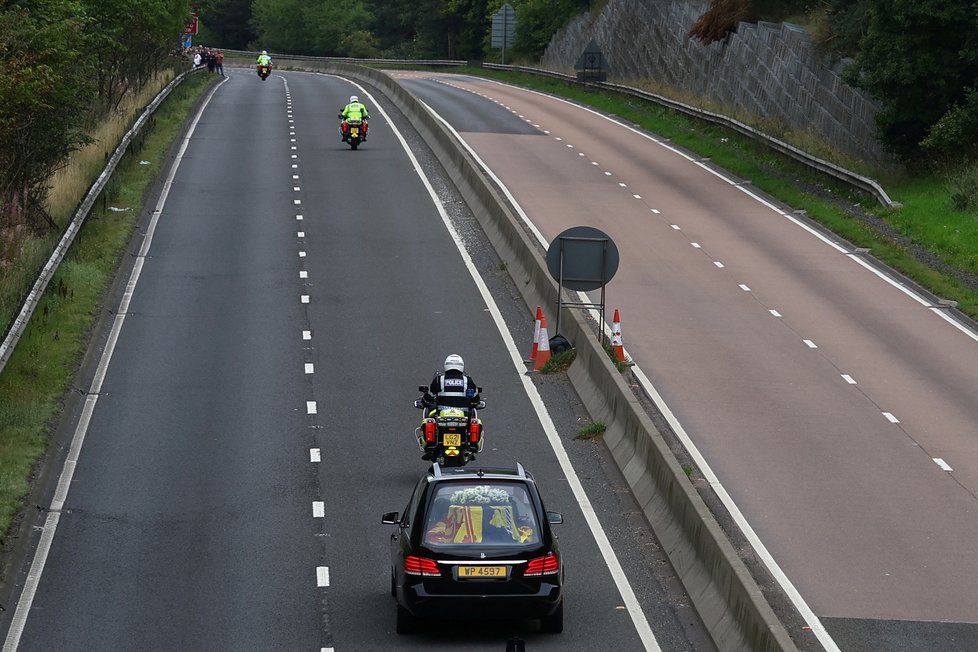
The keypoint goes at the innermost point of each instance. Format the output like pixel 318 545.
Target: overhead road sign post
pixel 503 28
pixel 582 258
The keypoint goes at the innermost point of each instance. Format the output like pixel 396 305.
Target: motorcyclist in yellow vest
pixel 353 111
pixel 263 60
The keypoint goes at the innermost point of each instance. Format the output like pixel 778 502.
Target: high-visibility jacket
pixel 264 59
pixel 355 111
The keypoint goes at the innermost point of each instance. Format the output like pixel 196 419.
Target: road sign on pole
pixel 503 28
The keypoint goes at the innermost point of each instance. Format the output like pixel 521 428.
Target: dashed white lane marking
pixel 309 368
pixel 304 298
pixel 300 234
pixel 744 288
pixel 811 619
pixel 718 264
pixel 675 227
pixel 299 216
pixel 295 165
pixel 637 196
pixel 656 211
pixel 307 335
pixel 315 455
pixel 622 185
pixel 297 201
pixel 318 509
pixel 303 274
pixel 810 344
pixel 296 188
pixel 774 312
pixel 695 245
pixel 295 156
pixel 941 463
pixel 594 163
pixel 311 407
pixel 322 576
pixel 295 176
pixel 849 379
pixel 889 417
pixel 607 174
pixel 302 254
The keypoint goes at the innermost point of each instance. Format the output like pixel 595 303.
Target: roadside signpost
pixel 503 28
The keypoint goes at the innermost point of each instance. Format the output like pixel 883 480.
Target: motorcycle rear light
pixel 475 432
pixel 430 430
pixel 549 564
pixel 414 565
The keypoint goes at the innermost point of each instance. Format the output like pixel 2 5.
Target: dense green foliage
pixel 67 63
pixel 41 98
pixel 920 59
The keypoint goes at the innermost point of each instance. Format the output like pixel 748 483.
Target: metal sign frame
pixel 603 280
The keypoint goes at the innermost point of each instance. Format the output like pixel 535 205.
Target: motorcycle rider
pixel 452 388
pixel 354 110
pixel 264 59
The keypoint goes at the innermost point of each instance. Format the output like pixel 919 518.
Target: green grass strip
pixel 45 361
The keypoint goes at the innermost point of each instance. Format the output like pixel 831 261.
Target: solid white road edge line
pixel 64 480
pixel 799 603
pixel 604 545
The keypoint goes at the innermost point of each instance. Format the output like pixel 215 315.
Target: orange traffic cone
pixel 543 346
pixel 616 344
pixel 536 333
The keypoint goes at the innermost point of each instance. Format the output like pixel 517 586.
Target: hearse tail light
pixel 414 565
pixel 549 564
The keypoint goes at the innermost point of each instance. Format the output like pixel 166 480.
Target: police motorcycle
pixel 449 435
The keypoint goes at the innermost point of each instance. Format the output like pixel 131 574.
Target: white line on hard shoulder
pixel 50 526
pixel 639 620
pixel 813 622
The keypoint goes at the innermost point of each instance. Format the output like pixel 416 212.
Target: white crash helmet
pixel 264 51
pixel 354 98
pixel 455 361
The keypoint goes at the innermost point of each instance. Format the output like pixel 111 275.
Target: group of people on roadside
pixel 210 57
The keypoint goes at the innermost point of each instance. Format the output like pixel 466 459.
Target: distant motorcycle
pixel 354 132
pixel 264 70
pixel 450 436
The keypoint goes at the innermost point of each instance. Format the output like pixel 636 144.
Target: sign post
pixel 503 28
pixel 582 258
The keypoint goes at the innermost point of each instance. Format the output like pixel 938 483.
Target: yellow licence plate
pixel 452 439
pixel 482 571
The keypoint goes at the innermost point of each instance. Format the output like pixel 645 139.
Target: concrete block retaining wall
pixel 771 71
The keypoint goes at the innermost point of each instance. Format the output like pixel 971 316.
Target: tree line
pixel 69 62
pixel 67 65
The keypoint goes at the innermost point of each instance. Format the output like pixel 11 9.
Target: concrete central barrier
pixel 723 592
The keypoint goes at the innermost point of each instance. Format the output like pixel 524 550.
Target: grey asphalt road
pixel 836 408
pixel 256 418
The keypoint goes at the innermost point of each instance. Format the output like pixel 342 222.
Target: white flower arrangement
pixel 481 495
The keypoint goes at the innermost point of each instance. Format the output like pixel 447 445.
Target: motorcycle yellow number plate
pixel 482 571
pixel 354 131
pixel 452 439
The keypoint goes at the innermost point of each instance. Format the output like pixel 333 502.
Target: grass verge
pixel 44 364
